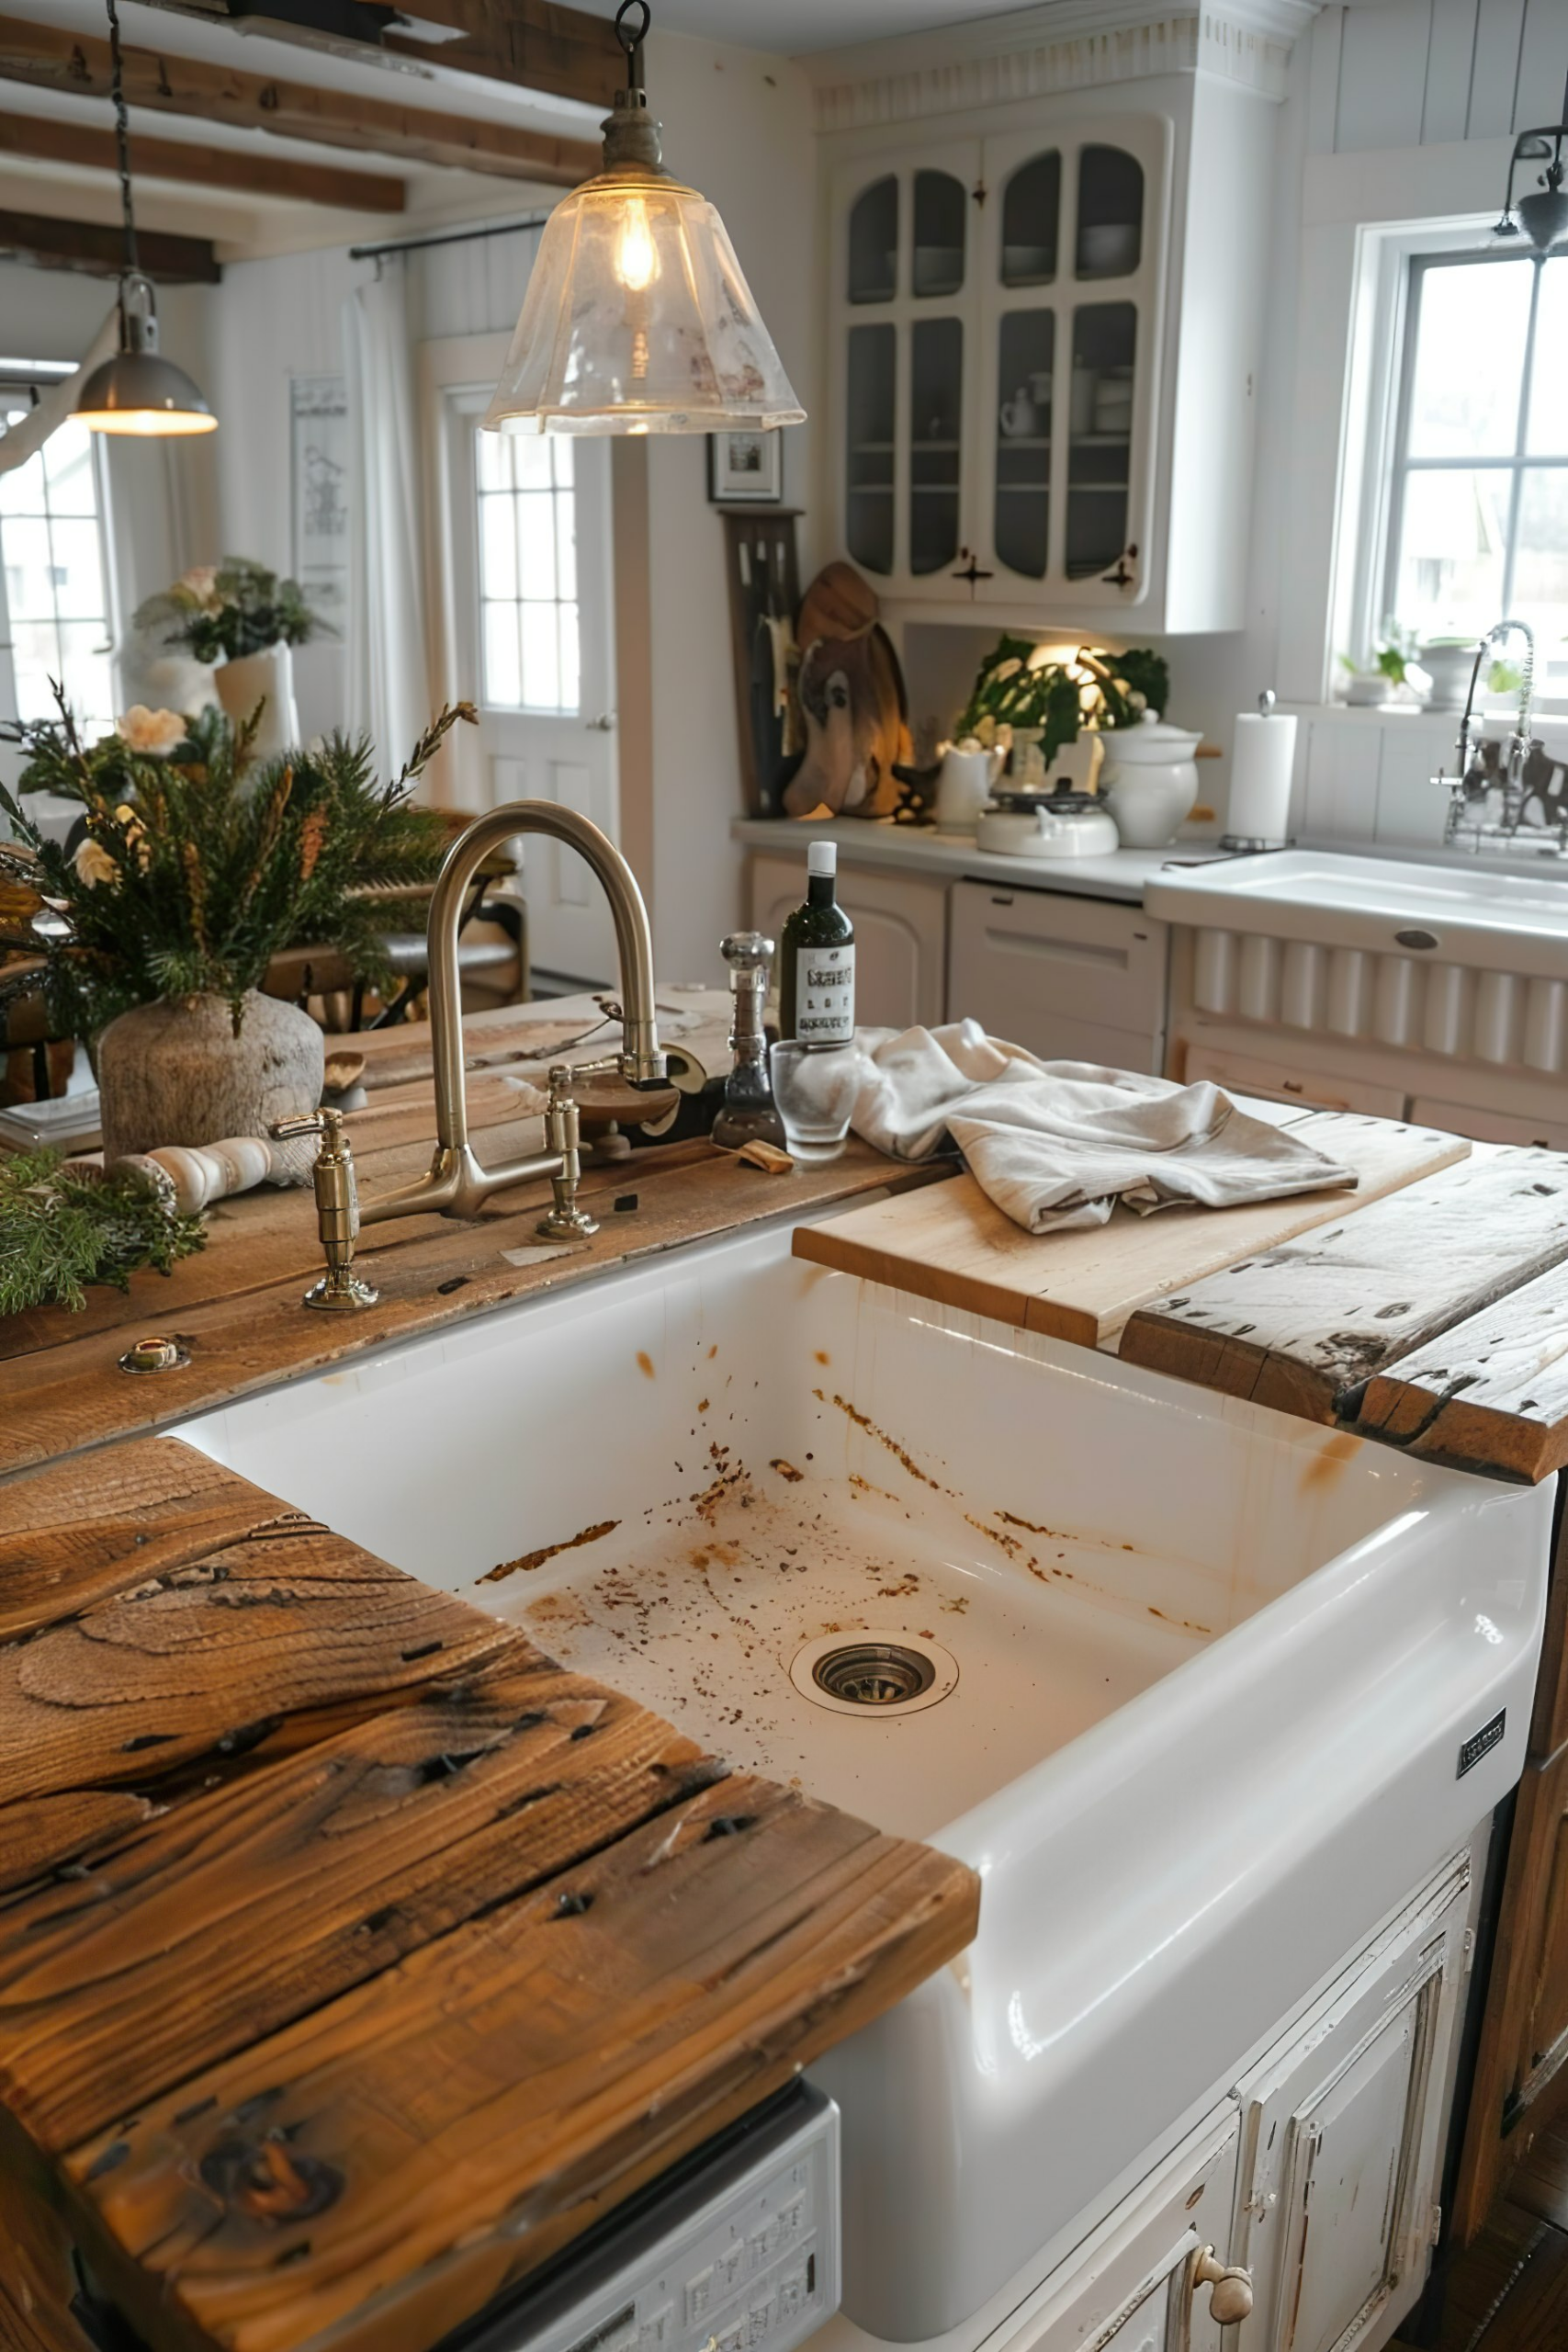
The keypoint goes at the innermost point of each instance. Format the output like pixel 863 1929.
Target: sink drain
pixel 873 1673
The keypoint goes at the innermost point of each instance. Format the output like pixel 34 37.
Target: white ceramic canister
pixel 963 785
pixel 1150 780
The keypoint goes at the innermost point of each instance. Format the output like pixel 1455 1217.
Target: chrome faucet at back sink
pixel 456 1182
pixel 1470 789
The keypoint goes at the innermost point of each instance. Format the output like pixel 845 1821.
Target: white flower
pixel 200 584
pixel 154 733
pixel 93 862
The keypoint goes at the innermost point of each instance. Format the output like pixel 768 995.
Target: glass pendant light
pixel 138 391
pixel 1543 217
pixel 637 317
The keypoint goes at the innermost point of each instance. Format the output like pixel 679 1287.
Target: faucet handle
pixel 340 1290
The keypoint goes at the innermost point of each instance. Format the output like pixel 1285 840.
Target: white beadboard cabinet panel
pixel 1381 82
pixel 1411 806
pixel 1450 60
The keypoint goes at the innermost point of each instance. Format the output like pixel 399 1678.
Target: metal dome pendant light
pixel 138 391
pixel 637 317
pixel 1543 217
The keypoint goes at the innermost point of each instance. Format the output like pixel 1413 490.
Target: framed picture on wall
pixel 746 469
pixel 320 454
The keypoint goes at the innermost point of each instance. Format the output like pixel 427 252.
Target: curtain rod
pixel 448 237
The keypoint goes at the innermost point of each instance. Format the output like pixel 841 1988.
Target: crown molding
pixel 1054 46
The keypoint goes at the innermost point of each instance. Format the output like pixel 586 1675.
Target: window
pixel 55 606
pixel 1478 510
pixel 530 652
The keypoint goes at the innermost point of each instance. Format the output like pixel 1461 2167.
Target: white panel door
pixel 530 612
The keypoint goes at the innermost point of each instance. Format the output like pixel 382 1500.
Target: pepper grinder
pixel 747 1113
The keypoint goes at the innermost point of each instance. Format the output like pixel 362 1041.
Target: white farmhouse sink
pixel 1214 1669
pixel 1366 902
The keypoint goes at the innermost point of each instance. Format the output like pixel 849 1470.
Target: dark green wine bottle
pixel 816 959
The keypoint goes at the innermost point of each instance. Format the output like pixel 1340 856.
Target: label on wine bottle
pixel 825 995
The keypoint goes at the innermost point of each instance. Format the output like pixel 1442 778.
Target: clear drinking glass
pixel 814 1090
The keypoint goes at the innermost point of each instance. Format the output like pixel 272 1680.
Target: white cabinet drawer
pixel 1487 1127
pixel 1054 973
pixel 1279 1082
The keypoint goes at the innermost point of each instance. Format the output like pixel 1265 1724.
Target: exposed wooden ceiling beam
pixel 538 44
pixel 47 140
pixel 46 58
pixel 97 248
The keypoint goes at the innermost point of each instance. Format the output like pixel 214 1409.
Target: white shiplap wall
pixel 472 288
pixel 1419 73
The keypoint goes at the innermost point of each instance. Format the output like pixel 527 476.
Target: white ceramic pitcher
pixel 964 787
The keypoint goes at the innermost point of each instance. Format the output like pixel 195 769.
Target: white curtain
pixel 387 698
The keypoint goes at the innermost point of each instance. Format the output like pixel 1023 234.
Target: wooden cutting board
pixel 949 1243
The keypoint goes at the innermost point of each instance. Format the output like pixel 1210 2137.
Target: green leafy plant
pixel 64 1224
pixel 196 869
pixel 221 612
pixel 1392 652
pixel 1095 689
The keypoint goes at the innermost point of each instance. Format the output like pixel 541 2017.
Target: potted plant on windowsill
pixel 245 619
pixel 196 864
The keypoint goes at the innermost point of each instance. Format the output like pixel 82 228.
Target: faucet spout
pixel 456 1182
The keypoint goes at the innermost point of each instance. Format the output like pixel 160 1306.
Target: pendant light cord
pixel 122 145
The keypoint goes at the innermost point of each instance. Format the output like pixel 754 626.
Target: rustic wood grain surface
pixel 355 1955
pixel 236 1305
pixel 1304 1328
pixel 951 1244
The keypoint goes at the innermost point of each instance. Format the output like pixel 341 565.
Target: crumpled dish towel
pixel 1057 1144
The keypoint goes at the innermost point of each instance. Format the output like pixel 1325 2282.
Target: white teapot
pixel 1149 780
pixel 963 785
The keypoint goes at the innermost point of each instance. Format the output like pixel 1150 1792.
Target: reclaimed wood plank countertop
pixel 355 1957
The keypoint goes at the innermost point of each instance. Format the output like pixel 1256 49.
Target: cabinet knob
pixel 1230 2289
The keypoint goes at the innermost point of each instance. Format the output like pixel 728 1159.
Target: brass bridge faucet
pixel 456 1182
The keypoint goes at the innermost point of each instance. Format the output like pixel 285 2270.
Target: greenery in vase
pixel 1095 689
pixel 64 1224
pixel 199 864
pixel 221 612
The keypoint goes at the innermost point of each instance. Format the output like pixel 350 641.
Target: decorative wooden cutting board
pixel 951 1244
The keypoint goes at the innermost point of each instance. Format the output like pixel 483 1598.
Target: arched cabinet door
pixel 904 275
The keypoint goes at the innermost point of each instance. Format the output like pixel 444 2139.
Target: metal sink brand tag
pixel 1481 1743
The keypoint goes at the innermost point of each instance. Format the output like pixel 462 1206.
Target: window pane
pixel 532 455
pixel 541 658
pixel 537 545
pixel 1549 386
pixel 498 547
pixel 78 579
pixel 503 678
pixel 21 491
pixel 36 660
pixel 1469 358
pixel 29 589
pixel 68 468
pixel 86 676
pixel 566 547
pixel 1451 550
pixel 562 451
pixel 493 459
pixel 1540 565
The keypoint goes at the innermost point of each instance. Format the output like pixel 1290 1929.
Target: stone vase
pixel 175 1072
pixel 267 678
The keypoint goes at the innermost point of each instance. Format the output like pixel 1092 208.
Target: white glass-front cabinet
pixel 998 343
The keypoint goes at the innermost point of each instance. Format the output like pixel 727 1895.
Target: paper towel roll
pixel 1260 775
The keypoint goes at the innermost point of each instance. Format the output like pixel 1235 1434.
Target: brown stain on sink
pixel 526 1561
pixel 645 1364
pixel 863 1421
pixel 1330 1461
pixel 786 1470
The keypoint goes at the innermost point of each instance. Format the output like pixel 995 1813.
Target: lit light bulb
pixel 636 264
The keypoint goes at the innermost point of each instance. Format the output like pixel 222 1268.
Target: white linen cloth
pixel 1057 1143
pixel 387 687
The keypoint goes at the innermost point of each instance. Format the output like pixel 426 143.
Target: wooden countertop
pixel 236 1304
pixel 353 1956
